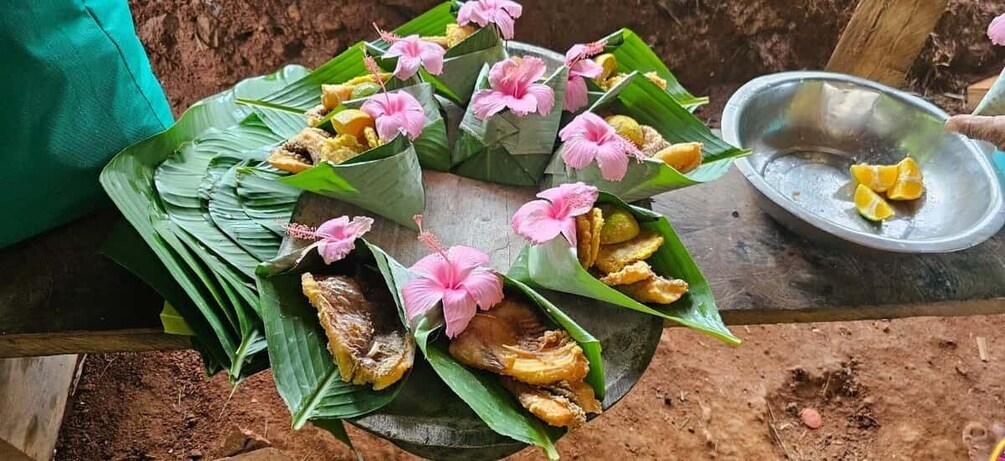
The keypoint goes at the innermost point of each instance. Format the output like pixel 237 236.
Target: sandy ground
pixel 898 389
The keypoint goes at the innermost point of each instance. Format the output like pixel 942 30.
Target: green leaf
pixel 431 23
pixel 554 265
pixel 462 63
pixel 230 217
pixel 386 180
pixel 264 198
pixel 306 375
pixel 642 100
pixel 129 181
pixel 505 148
pixel 634 55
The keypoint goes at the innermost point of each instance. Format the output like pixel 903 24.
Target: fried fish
pixel 365 337
pixel 300 152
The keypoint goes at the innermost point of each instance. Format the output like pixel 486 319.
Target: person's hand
pixel 990 129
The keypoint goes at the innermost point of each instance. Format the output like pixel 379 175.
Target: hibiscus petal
pixel 522 106
pixel 458 310
pixel 613 160
pixel 534 222
pixel 586 68
pixel 576 94
pixel 485 287
pixel 332 250
pixel 421 295
pixel 569 230
pixel 333 228
pixel 577 153
pixel 407 67
pixel 506 25
pixel 487 103
pixel 433 267
pixel 531 69
pixel 544 96
pixel 432 57
pixel 577 197
pixel 467 258
pixel 996 30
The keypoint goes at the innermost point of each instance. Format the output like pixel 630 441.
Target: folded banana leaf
pixel 554 265
pixel 634 55
pixel 993 102
pixel 639 98
pixel 158 185
pixel 507 149
pixel 462 61
pixel 483 392
pixel 386 180
pixel 305 373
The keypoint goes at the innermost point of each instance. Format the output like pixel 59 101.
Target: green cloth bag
pixel 76 88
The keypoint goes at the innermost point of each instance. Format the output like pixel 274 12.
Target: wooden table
pixel 59 295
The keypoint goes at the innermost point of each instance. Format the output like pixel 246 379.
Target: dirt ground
pixel 899 389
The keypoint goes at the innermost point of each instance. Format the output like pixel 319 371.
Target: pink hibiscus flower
pixel 513 87
pixel 502 13
pixel 457 277
pixel 581 67
pixel 396 112
pixel 334 239
pixel 588 138
pixel 413 52
pixel 555 213
pixel 996 30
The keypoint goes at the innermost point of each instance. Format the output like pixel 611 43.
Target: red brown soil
pixel 896 389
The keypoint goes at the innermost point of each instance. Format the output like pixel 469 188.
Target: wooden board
pixel 884 37
pixel 58 295
pixel 976 92
pixel 33 395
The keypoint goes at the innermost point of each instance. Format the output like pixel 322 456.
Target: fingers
pixel 990 129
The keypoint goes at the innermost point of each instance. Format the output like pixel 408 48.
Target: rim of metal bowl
pixel 987 227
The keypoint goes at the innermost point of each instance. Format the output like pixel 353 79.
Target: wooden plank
pixel 33 395
pixel 884 37
pixel 976 92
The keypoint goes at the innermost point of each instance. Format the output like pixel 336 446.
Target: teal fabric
pixel 75 87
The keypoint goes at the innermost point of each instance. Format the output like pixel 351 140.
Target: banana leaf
pixel 554 265
pixel 305 373
pixel 265 199
pixel 220 312
pixel 642 100
pixel 633 55
pixel 505 148
pixel 230 217
pixel 993 102
pixel 462 62
pixel 386 180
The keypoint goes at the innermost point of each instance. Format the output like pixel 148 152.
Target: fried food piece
pixel 365 336
pixel 683 157
pixel 608 66
pixel 632 273
pixel 334 95
pixel 626 127
pixel 613 258
pixel 352 122
pixel 614 81
pixel 457 33
pixel 652 141
pixel 301 152
pixel 619 225
pixel 588 227
pixel 369 78
pixel 316 114
pixel 372 139
pixel 657 290
pixel 561 405
pixel 655 78
pixel 341 148
pixel 510 340
pixel 438 39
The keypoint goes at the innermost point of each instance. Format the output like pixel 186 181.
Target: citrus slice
pixel 909 184
pixel 619 225
pixel 870 205
pixel 608 63
pixel 365 89
pixel 352 122
pixel 876 177
pixel 627 127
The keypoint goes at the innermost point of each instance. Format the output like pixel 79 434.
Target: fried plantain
pixel 588 227
pixel 613 258
pixel 657 290
pixel 632 273
pixel 561 405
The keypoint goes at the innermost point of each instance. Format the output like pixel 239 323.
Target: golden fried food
pixel 365 336
pixel 438 39
pixel 655 78
pixel 619 225
pixel 456 34
pixel 511 340
pixel 334 95
pixel 561 405
pixel 369 78
pixel 626 127
pixel 341 148
pixel 652 141
pixel 657 290
pixel 683 157
pixel 300 152
pixel 372 140
pixel 613 258
pixel 608 66
pixel 316 114
pixel 588 228
pixel 352 122
pixel 632 273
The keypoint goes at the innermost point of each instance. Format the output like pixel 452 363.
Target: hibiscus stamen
pixel 301 231
pixel 389 37
pixel 591 49
pixel 428 238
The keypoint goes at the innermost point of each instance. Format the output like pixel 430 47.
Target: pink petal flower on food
pixel 588 138
pixel 554 213
pixel 334 239
pixel 996 30
pixel 396 112
pixel 580 68
pixel 458 278
pixel 413 52
pixel 513 87
pixel 502 13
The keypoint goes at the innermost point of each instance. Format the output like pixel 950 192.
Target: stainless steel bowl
pixel 807 128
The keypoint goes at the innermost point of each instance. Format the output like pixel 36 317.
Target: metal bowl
pixel 807 128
